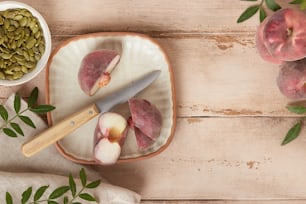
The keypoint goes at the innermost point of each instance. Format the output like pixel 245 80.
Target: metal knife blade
pixel 121 96
pixel 71 123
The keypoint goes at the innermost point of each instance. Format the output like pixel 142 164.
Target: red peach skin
pixel 146 117
pixel 285 35
pixel 262 50
pixel 143 141
pixel 95 69
pixel 291 80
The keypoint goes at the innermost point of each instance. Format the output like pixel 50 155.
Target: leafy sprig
pixel 301 2
pixel 252 10
pixel 270 4
pixel 295 130
pixel 13 129
pixel 28 197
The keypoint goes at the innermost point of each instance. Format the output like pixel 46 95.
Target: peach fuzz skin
pixel 262 50
pixel 284 35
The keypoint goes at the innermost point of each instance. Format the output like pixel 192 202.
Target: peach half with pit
pixel 95 70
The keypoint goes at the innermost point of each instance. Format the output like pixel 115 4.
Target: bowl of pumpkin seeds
pixel 25 43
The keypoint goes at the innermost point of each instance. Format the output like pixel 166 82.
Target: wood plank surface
pixel 226 202
pixel 207 70
pixel 231 116
pixel 221 158
pixel 197 16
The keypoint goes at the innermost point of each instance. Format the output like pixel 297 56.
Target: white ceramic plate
pixel 139 55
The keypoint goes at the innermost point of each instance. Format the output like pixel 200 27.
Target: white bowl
pixel 46 32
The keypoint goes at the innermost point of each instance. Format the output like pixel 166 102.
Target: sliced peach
pixel 95 70
pixel 110 134
pixel 146 120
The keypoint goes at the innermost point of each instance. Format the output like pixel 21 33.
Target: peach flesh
pixel 95 70
pixel 110 134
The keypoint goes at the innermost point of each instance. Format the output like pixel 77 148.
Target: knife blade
pixel 71 123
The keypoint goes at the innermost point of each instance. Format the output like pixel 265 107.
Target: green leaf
pixel 83 177
pixel 27 120
pixel 292 133
pixel 40 192
pixel 248 13
pixel 8 198
pixel 302 2
pixel 297 109
pixel 88 197
pixel 17 128
pixel 296 2
pixel 262 14
pixel 72 185
pixel 59 192
pixel 3 113
pixel 41 109
pixel 271 4
pixel 93 184
pixel 9 132
pixel 33 97
pixel 52 202
pixel 303 5
pixel 66 200
pixel 76 203
pixel 17 103
pixel 26 195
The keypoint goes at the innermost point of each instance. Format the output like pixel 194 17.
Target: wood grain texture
pixel 159 17
pixel 226 202
pixel 231 116
pixel 208 69
pixel 59 130
pixel 221 158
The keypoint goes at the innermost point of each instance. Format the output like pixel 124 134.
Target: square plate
pixel 139 55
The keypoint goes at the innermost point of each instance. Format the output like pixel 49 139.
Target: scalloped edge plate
pixel 62 69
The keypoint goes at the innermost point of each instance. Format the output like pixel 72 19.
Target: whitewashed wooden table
pixel 231 117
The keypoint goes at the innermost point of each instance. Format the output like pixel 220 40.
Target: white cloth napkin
pixel 47 167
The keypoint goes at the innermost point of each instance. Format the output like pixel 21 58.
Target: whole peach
pixel 284 35
pixel 291 79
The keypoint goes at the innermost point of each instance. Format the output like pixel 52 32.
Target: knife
pixel 71 123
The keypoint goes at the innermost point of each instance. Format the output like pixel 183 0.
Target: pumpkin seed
pixel 21 43
pixel 24 69
pixel 11 28
pixel 2 76
pixel 6 56
pixel 30 64
pixel 18 17
pixel 23 22
pixel 6 24
pixel 1 20
pixel 9 71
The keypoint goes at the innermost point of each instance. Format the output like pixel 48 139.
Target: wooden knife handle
pixel 59 130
